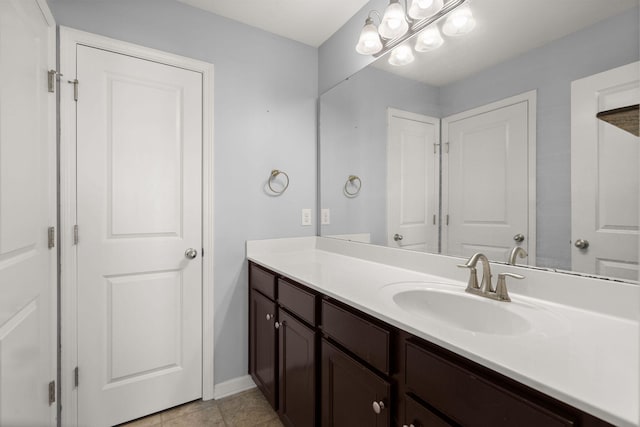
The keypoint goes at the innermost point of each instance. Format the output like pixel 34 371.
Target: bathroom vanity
pixel 341 333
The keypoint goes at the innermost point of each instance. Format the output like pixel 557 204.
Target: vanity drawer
pixel 262 280
pixel 417 415
pixel 297 300
pixel 363 338
pixel 470 399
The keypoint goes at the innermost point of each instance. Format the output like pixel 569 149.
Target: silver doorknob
pixel 191 253
pixel 519 237
pixel 378 406
pixel 397 237
pixel 582 244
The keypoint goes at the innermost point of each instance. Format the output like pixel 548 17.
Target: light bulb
pixel 421 9
pixel 429 39
pixel 402 55
pixel 393 23
pixel 369 42
pixel 459 22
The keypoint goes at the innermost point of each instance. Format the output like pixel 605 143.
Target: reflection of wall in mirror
pixel 550 69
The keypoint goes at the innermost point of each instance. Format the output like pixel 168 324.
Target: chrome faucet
pixel 486 288
pixel 517 250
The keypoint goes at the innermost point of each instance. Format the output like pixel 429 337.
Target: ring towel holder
pixel 352 186
pixel 274 174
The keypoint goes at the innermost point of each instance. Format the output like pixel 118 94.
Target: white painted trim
pixel 233 386
pixel 69 39
pixel 531 99
pixel 52 205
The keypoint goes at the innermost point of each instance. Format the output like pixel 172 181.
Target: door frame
pixel 531 99
pixel 68 40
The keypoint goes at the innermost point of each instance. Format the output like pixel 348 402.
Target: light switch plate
pixel 325 217
pixel 306 216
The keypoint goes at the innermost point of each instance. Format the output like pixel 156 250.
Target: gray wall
pixel 353 141
pixel 550 69
pixel 265 91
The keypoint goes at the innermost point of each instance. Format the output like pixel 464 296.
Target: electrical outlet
pixel 325 217
pixel 306 216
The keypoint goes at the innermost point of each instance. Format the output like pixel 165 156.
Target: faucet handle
pixel 501 286
pixel 473 277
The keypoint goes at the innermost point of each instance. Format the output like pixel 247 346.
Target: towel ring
pixel 352 180
pixel 274 174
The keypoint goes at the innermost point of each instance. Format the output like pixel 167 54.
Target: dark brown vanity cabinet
pixel 283 346
pixel 321 362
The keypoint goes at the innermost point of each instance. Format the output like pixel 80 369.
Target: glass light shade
pixel 429 39
pixel 369 42
pixel 393 22
pixel 402 55
pixel 421 9
pixel 460 22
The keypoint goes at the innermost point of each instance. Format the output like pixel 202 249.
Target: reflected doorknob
pixel 190 253
pixel 581 244
pixel 519 237
pixel 397 237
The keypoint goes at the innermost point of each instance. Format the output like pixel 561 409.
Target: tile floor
pixel 246 409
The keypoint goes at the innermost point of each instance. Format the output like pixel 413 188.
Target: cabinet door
pixel 297 398
pixel 350 390
pixel 262 345
pixel 417 415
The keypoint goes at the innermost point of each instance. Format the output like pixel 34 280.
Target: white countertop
pixel 590 361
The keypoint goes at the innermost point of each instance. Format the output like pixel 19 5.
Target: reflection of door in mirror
pixel 488 184
pixel 604 176
pixel 412 181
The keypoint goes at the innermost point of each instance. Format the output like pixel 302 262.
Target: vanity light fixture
pixel 399 24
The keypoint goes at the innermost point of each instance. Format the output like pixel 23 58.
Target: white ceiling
pixel 505 29
pixel 308 21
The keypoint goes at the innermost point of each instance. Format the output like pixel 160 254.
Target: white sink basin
pixel 452 306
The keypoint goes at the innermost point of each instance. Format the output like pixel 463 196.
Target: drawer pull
pixel 378 407
pixel 269 316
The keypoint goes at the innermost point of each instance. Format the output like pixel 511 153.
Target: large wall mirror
pixel 491 141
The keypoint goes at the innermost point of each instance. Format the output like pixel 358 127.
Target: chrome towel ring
pixel 272 177
pixel 355 182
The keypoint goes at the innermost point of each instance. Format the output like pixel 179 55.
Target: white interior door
pixel 604 176
pixel 487 178
pixel 27 209
pixel 139 208
pixel 412 181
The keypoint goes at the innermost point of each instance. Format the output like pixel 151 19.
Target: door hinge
pixel 75 88
pixel 446 147
pixel 76 377
pixel 52 393
pixel 75 234
pixel 51 80
pixel 447 220
pixel 434 219
pixel 435 148
pixel 51 237
pixel 202 252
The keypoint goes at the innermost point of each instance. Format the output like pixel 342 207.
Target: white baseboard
pixel 233 386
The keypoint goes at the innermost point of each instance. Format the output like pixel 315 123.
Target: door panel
pixel 139 208
pixel 604 180
pixel 486 181
pixel 262 347
pixel 27 206
pixel 412 179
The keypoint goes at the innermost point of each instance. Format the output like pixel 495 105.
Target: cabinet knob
pixel 278 324
pixel 378 407
pixel 269 316
pixel 410 425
